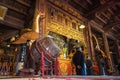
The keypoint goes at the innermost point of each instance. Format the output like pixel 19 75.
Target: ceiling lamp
pixel 82 26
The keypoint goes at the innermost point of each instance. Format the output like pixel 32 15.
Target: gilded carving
pixel 67 9
pixel 61 23
pixel 63 69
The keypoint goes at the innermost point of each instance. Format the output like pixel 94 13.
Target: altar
pixel 65 66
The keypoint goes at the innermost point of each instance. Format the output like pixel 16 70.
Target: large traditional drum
pixel 45 52
pixel 48 45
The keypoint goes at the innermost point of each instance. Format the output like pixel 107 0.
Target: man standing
pixel 89 66
pixel 78 61
pixel 118 66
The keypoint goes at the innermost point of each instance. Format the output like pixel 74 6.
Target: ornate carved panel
pixel 59 22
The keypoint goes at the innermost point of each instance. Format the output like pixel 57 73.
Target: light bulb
pixel 82 26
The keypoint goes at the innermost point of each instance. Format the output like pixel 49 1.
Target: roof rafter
pixel 109 26
pixel 66 2
pixel 110 21
pixel 81 4
pixel 89 1
pixel 103 7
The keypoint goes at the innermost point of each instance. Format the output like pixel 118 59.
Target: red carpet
pixel 62 78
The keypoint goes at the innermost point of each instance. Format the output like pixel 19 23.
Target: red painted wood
pixel 42 64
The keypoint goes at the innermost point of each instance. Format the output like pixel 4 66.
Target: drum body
pixel 48 45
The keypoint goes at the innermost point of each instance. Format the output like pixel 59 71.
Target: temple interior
pixel 39 38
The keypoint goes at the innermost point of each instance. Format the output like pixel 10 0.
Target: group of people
pixel 83 65
pixel 79 62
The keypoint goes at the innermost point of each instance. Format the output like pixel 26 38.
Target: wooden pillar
pixel 39 17
pixel 92 52
pixel 39 23
pixel 107 52
pixel 106 45
pixel 87 40
pixel 117 49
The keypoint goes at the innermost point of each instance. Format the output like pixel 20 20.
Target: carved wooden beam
pixel 101 8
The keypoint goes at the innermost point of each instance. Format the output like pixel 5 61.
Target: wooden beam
pixel 12 22
pixel 111 35
pixel 13 8
pixel 107 50
pixel 67 4
pixel 24 3
pixel 105 15
pixel 109 26
pixel 103 7
pixel 67 1
pixel 91 42
pixel 117 49
pixel 117 35
pixel 112 18
pixel 96 25
pixel 115 30
pixel 101 19
pixel 67 13
pixel 89 1
pixel 81 4
pixel 111 11
pixel 118 27
pixel 99 28
pixel 8 34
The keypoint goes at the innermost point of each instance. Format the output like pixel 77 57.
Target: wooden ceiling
pixel 19 15
pixel 104 12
